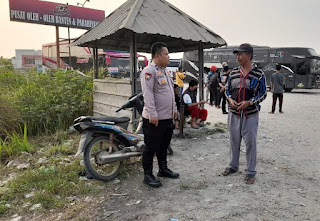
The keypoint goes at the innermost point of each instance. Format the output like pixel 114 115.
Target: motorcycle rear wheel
pixel 103 172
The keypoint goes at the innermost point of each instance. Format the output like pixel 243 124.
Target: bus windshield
pixel 315 65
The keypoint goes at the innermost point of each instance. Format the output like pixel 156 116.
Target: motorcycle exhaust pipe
pixel 109 158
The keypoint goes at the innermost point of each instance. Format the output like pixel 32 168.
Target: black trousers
pixel 274 98
pixel 157 140
pixel 223 97
pixel 215 93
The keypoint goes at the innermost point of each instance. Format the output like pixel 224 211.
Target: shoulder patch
pixel 148 76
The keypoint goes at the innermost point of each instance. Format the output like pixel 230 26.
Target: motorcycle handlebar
pixel 119 109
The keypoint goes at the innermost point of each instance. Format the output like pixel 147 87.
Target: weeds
pixel 10 118
pixel 51 187
pixel 45 102
pixel 14 144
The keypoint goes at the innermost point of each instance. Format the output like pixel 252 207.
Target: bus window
pixel 302 67
pixel 314 65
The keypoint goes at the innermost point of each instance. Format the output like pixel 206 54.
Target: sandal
pixel 195 127
pixel 249 179
pixel 201 124
pixel 228 171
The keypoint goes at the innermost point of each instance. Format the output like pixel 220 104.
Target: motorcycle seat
pixel 104 119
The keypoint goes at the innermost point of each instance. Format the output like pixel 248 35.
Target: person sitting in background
pixel 191 105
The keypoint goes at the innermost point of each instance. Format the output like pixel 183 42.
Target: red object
pixel 197 112
pixel 213 68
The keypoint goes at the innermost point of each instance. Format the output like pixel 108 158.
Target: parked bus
pixel 116 63
pixel 301 66
pixel 173 66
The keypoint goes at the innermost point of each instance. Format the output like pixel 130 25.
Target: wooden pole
pixel 95 62
pixel 58 47
pixel 133 69
pixel 133 63
pixel 200 54
pixel 69 49
pixel 181 124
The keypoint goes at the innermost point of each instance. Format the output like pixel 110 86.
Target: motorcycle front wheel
pixel 104 172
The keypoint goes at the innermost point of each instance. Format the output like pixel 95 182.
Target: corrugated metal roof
pixel 151 20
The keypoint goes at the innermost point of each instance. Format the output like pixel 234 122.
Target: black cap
pixel 244 48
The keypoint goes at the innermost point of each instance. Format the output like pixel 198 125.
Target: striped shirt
pixel 244 88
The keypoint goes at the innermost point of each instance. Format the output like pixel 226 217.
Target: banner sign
pixel 49 13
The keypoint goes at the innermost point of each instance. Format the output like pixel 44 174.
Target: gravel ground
pixel 287 180
pixel 287 184
pixel 286 188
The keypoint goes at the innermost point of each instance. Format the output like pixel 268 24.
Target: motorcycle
pixel 105 141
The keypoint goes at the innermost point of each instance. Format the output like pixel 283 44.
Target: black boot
pixel 149 179
pixel 164 171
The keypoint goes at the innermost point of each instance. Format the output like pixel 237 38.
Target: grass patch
pixel 221 126
pixel 54 184
pixel 60 150
pixel 14 144
pixel 50 186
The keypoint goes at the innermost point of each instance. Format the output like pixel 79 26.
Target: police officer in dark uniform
pixel 158 114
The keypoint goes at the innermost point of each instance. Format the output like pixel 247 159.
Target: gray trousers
pixel 246 128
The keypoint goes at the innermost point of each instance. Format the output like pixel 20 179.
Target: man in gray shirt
pixel 276 85
pixel 158 113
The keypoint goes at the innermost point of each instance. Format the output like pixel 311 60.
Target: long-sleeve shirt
pixel 251 87
pixel 158 94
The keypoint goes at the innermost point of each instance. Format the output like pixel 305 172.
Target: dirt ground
pixel 287 180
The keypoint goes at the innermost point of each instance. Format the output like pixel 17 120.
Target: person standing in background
pixel 222 80
pixel 276 86
pixel 179 80
pixel 213 86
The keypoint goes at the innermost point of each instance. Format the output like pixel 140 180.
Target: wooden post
pixel 181 124
pixel 133 69
pixel 133 63
pixel 69 49
pixel 200 54
pixel 58 47
pixel 94 64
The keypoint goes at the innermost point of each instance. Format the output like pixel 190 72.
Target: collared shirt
pixel 243 88
pixel 158 94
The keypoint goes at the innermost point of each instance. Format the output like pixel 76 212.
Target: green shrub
pixel 9 116
pixel 5 65
pixel 47 102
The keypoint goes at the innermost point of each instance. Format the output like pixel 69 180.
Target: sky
pixel 274 23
